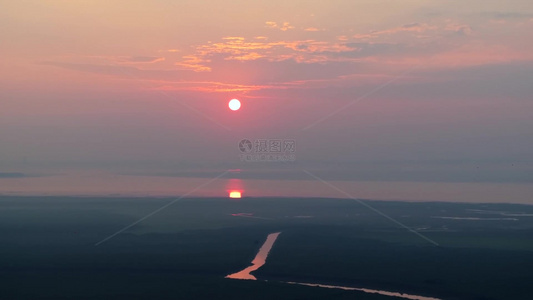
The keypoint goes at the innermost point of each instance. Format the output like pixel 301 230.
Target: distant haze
pixel 415 90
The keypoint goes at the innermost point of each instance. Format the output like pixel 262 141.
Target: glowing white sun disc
pixel 234 104
pixel 235 194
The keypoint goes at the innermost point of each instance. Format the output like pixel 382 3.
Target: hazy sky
pixel 385 86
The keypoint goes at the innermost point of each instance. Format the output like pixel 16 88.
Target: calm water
pixel 258 261
pixel 109 184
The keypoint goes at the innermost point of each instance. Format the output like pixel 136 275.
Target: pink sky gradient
pixel 415 87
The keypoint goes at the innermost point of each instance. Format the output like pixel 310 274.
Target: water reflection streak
pixel 386 293
pixel 259 259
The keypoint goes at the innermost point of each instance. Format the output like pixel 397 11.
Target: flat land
pixel 485 251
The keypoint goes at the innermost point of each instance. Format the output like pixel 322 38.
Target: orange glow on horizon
pixel 235 194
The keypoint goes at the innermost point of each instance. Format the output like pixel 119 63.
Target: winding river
pixel 258 261
pixel 370 291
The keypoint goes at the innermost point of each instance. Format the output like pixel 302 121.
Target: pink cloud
pixel 282 26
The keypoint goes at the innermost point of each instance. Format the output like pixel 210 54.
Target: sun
pixel 234 104
pixel 235 194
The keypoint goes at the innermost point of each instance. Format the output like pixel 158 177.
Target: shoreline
pixel 217 197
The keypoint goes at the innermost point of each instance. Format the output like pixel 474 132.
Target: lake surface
pixel 259 259
pixel 102 183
